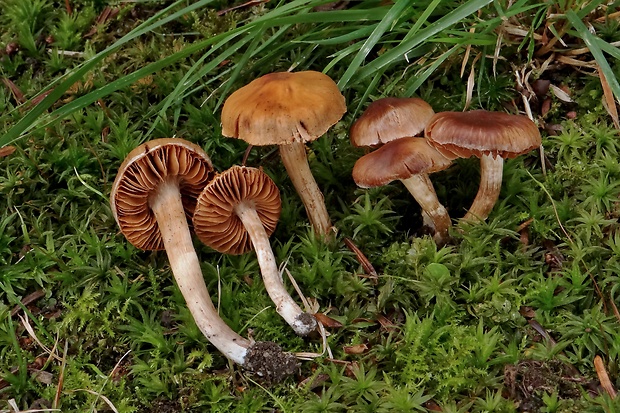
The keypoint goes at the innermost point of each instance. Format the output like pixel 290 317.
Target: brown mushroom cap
pixel 388 119
pixel 481 132
pixel 284 107
pixel 215 221
pixel 398 159
pixel 139 176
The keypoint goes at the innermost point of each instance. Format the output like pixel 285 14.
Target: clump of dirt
pixel 528 380
pixel 267 361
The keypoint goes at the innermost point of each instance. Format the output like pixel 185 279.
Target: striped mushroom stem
pixel 240 209
pixel 153 193
pixel 295 161
pixel 491 172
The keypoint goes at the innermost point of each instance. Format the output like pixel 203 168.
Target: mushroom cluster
pixel 165 184
pixel 395 124
pixel 166 188
pixel 153 195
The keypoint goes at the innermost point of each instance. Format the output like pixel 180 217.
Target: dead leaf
pixel 327 321
pixel 7 150
pixel 365 262
pixel 524 232
pixel 355 348
pixel 18 95
pixel 541 330
pixel 527 312
pixel 560 94
pixel 609 102
pixel 432 406
pixel 386 324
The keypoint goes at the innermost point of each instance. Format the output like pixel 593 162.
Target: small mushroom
pixel 239 209
pixel 153 194
pixel 288 110
pixel 387 119
pixel 409 160
pixel 490 136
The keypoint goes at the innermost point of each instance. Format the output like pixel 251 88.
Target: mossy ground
pixel 507 317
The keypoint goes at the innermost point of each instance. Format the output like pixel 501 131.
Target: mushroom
pixel 390 118
pixel 239 209
pixel 153 194
pixel 288 110
pixel 490 136
pixel 409 160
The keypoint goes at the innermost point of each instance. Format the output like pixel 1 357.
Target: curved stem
pixel 421 187
pixel 491 171
pixel 302 323
pixel 296 163
pixel 168 209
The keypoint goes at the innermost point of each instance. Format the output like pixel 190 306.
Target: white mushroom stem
pixel 434 213
pixel 168 209
pixel 296 163
pixel 301 322
pixel 491 171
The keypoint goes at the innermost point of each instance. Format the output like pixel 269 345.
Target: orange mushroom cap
pixel 215 221
pixel 398 159
pixel 481 132
pixel 139 176
pixel 390 118
pixel 284 107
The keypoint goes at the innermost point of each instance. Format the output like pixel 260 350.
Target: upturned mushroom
pixel 153 195
pixel 288 110
pixel 390 118
pixel 239 209
pixel 490 136
pixel 409 160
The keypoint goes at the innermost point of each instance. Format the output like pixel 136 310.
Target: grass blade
pixel 399 52
pixel 390 18
pixel 593 44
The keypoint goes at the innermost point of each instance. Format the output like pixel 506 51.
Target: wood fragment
pixel 603 377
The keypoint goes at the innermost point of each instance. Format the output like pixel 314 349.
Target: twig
pixel 27 300
pixel 61 377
